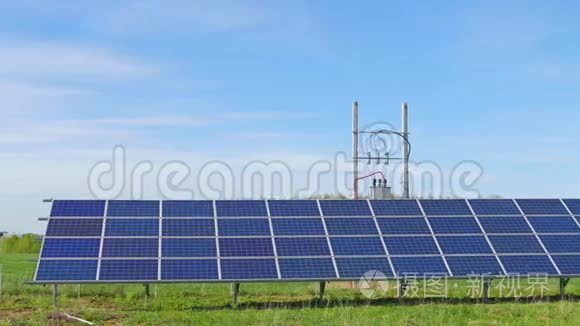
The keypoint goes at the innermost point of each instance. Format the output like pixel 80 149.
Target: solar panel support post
pixel 563 283
pixel 235 292
pixel 322 287
pixel 486 286
pixel 55 295
pixel 146 292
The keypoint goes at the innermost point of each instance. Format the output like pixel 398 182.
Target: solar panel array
pixel 257 240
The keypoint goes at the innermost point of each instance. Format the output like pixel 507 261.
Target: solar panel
pixel 133 208
pixel 396 208
pixel 568 264
pixel 241 227
pixel 248 269
pixel 188 227
pixel 451 225
pixel 130 247
pixel 288 208
pixel 542 206
pixel 357 246
pixel 434 207
pixel 307 268
pixel 524 265
pixel 129 270
pixel 345 208
pixel 248 240
pixel 132 227
pixel 298 226
pixel 187 208
pixel 464 245
pixel 573 205
pixel 419 266
pixel 554 224
pixel 78 208
pixel 189 247
pixel 423 245
pixel 356 267
pixel 512 244
pixel 494 207
pixel 189 269
pixel 474 265
pixel 403 225
pixel 351 226
pixel 84 227
pixel 241 208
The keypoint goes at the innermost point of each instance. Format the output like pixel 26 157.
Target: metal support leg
pixel 146 292
pixel 485 290
pixel 402 289
pixel 55 295
pixel 322 287
pixel 235 292
pixel 563 283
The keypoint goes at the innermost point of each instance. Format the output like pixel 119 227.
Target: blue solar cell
pixel 504 224
pixel 554 224
pixel 357 267
pixel 419 266
pixel 448 207
pixel 132 227
pixel 524 265
pixel 357 246
pixel 132 247
pixel 243 227
pixel 248 269
pixel 188 227
pixel 78 208
pixel 454 225
pixel 84 227
pixel 133 208
pixel 297 226
pixel 189 269
pixel 128 270
pixel 474 265
pixel 542 206
pixel 294 247
pixel 241 208
pixel 403 225
pixel 70 248
pixel 411 245
pixel 351 226
pixel 293 208
pixel 306 268
pixel 494 207
pixel 67 270
pixel 573 205
pixel 561 243
pixel 568 264
pixel 464 245
pixel 187 208
pixel 347 208
pixel 246 247
pixel 515 244
pixel 396 208
pixel 188 247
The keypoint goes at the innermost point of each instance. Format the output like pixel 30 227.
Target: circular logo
pixel 373 284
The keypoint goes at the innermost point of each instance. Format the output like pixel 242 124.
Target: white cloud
pixel 61 59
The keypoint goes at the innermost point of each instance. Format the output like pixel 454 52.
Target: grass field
pixel 265 304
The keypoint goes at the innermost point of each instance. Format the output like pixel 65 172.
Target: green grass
pixel 265 304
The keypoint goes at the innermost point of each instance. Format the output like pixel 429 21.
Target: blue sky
pixel 488 81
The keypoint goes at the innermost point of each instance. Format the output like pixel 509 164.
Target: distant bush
pixel 25 244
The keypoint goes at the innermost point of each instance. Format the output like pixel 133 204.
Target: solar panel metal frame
pixel 332 256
